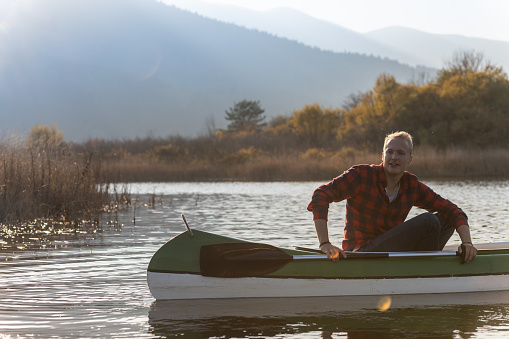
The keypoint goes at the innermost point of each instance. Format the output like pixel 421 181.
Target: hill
pixel 127 68
pixel 408 46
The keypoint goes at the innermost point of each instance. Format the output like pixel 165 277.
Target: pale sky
pixel 474 18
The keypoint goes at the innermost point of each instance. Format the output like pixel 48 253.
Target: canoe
pixel 197 265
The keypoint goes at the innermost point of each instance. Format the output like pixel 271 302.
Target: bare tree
pixel 351 101
pixel 464 61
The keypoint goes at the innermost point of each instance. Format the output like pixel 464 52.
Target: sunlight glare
pixel 10 14
pixel 9 11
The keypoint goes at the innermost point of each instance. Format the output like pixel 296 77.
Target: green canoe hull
pixel 174 273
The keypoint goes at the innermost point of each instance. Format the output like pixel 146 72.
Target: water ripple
pixel 94 285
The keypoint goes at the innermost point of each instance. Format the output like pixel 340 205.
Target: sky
pixel 473 18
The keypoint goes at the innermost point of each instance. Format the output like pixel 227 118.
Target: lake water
pixel 92 283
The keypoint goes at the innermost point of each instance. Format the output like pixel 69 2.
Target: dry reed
pixel 47 182
pixel 311 166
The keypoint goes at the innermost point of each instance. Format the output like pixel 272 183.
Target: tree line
pixel 466 106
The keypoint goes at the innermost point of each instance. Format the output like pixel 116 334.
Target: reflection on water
pixel 92 283
pixel 437 316
pixel 38 234
pixel 415 322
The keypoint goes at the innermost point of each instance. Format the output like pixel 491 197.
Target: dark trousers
pixel 425 232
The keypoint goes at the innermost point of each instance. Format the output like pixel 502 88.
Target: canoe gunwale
pixel 342 277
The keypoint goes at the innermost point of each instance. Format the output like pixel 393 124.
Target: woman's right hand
pixel 333 252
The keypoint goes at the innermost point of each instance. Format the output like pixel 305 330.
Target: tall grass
pixel 457 163
pixel 48 182
pixel 310 166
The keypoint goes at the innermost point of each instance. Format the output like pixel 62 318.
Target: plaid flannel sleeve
pixel 340 188
pixel 433 202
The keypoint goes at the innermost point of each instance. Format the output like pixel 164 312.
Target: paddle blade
pixel 234 260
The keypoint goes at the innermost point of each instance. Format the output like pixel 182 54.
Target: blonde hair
pixel 403 135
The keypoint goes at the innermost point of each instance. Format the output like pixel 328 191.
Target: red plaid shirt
pixel 368 211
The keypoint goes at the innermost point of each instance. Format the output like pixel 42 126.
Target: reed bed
pixel 458 163
pixel 48 183
pixel 315 165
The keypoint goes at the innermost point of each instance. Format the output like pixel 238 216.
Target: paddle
pixel 487 249
pixel 245 259
pixel 411 254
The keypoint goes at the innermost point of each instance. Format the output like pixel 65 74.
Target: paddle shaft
pixel 353 255
pixel 378 254
pixel 360 255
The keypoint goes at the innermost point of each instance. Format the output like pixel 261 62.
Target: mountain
pixel 436 49
pixel 295 25
pixel 128 68
pixel 406 45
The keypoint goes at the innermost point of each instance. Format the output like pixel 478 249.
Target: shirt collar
pixel 383 179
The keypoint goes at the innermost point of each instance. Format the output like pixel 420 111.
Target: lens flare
pixel 384 303
pixel 153 68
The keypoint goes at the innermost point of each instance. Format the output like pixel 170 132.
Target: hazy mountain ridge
pixel 295 25
pixel 124 68
pixel 439 49
pixel 406 45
